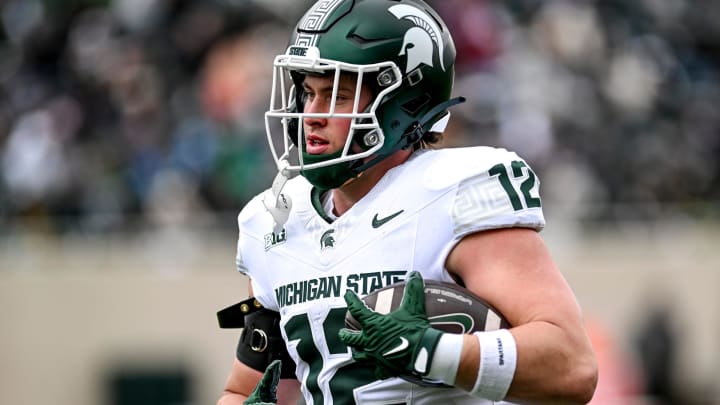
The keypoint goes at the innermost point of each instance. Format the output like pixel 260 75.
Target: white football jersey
pixel 409 221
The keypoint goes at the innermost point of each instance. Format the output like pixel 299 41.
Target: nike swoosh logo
pixel 378 222
pixel 404 344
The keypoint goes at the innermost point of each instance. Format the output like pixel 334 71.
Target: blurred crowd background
pixel 116 113
pixel 118 116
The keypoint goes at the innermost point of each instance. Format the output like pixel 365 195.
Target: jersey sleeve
pixel 505 193
pixel 245 235
pixel 249 258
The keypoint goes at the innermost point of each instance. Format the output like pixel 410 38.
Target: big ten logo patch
pixel 273 239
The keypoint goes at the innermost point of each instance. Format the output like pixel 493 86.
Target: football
pixel 449 307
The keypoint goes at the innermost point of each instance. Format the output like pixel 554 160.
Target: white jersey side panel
pixel 409 221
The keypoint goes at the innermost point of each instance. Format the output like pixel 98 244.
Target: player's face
pixel 328 135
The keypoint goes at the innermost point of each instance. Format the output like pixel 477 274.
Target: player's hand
pixel 265 392
pixel 399 343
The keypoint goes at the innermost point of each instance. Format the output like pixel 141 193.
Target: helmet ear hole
pixel 414 106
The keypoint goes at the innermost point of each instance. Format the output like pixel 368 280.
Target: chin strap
pixel 416 132
pixel 277 203
pixel 421 126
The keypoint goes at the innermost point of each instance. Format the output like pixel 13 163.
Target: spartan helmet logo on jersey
pixel 401 50
pixel 327 240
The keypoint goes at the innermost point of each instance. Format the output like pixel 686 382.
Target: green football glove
pixel 265 392
pixel 400 343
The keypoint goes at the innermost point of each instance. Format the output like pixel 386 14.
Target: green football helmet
pixel 400 49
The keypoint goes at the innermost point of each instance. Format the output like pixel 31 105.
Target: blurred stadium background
pixel 131 134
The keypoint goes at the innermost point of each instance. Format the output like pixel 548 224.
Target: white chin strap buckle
pixel 277 203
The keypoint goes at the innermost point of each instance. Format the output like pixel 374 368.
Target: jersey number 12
pixel 524 199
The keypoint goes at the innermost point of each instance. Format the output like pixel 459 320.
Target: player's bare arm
pixel 243 380
pixel 512 270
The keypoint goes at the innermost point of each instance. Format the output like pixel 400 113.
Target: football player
pixel 362 201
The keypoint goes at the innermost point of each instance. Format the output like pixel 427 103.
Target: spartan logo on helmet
pixel 422 36
pixel 327 240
